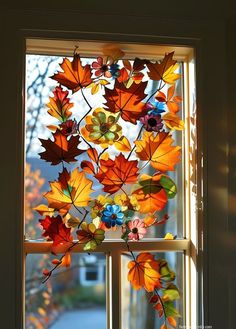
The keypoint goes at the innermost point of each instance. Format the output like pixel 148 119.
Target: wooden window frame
pixel 114 248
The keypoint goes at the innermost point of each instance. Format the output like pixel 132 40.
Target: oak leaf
pixel 56 230
pixel 150 194
pixel 74 76
pixel 71 188
pixel 143 272
pixel 59 105
pixel 158 150
pixel 165 70
pixel 113 174
pixel 127 101
pixel 63 148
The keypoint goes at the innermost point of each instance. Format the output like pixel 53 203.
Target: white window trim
pixel 114 249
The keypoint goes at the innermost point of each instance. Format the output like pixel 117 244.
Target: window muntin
pixel 114 250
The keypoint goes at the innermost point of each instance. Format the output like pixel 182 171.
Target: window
pixel 122 303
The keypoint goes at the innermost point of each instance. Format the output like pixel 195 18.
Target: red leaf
pixel 154 299
pixel 55 229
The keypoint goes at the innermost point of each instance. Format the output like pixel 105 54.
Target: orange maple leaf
pixel 75 76
pixel 143 272
pixel 60 105
pixel 70 189
pixel 158 150
pixel 113 174
pixel 61 149
pixel 150 195
pixel 127 101
pixel 164 70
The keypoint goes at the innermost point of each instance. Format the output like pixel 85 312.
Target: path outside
pixel 81 319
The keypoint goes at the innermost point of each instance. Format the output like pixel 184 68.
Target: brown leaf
pixel 61 149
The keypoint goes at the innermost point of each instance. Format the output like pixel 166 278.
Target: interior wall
pixel 213 27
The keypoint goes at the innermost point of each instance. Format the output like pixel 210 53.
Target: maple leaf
pixel 143 272
pixel 158 150
pixel 150 195
pixel 164 70
pixel 127 101
pixel 71 188
pixel 56 230
pixel 61 149
pixel 171 102
pixel 59 105
pixel 113 174
pixel 74 75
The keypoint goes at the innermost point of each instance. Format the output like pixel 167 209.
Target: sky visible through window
pixel 57 305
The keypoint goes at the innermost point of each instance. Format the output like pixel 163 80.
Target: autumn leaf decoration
pixel 120 175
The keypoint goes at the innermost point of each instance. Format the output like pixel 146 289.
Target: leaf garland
pixel 129 191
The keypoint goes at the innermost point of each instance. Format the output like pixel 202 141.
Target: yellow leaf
pixel 95 89
pixel 104 156
pixel 42 311
pixel 53 128
pixel 123 144
pixel 113 51
pixel 173 121
pixel 103 82
pixel 44 210
pixel 169 236
pixel 170 76
pixel 71 188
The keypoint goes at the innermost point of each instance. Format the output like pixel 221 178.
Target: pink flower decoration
pixel 101 67
pixel 137 228
pixel 152 122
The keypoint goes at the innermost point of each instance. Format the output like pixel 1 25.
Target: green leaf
pixel 91 245
pixel 169 186
pixel 171 293
pixel 166 273
pixel 170 310
pixel 150 186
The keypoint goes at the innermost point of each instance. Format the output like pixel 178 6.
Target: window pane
pixel 74 297
pixel 137 313
pixel 38 172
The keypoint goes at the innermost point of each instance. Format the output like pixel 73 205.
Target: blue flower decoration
pixel 114 70
pixel 112 215
pixel 156 108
